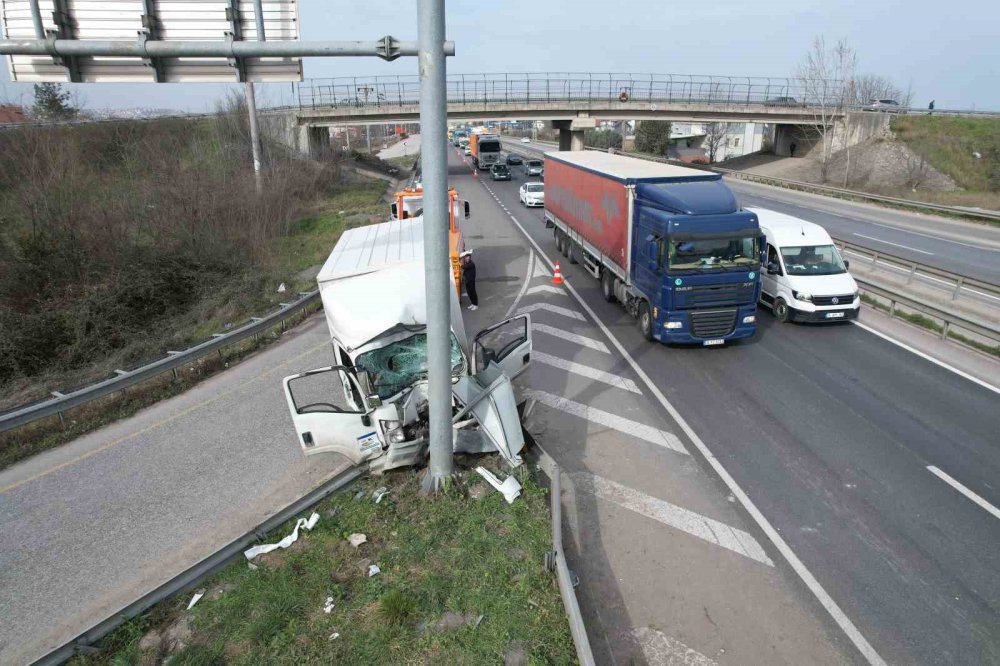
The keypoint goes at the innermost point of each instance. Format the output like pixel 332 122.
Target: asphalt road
pixel 831 431
pixel 961 247
pixel 91 526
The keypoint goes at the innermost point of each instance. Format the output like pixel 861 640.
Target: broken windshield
pixel 398 366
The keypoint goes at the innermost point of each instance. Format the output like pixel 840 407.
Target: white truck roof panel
pixel 622 167
pixel 365 249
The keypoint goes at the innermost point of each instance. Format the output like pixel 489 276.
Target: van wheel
pixel 780 310
pixel 645 321
pixel 608 286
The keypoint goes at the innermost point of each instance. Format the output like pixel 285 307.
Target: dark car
pixel 500 172
pixel 513 159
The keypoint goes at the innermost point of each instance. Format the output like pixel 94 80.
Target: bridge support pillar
pixel 313 141
pixel 571 132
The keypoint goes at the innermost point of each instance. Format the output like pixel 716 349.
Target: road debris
pixel 287 541
pixel 334 636
pixel 357 539
pixel 328 606
pixel 379 493
pixel 197 596
pixel 373 570
pixel 510 487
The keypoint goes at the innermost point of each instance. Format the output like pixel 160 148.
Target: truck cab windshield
pixel 812 260
pixel 401 364
pixel 713 253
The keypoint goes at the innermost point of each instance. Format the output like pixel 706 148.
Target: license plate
pixel 834 315
pixel 709 343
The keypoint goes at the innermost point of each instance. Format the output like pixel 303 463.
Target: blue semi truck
pixel 669 243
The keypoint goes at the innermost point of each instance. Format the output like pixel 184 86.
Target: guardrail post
pixel 958 288
pixel 892 308
pixel 944 329
pixel 913 271
pixel 874 258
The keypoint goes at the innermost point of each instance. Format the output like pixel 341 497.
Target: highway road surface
pixel 880 469
pixel 961 247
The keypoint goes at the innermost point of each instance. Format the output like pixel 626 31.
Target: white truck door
pixel 507 343
pixel 489 396
pixel 331 414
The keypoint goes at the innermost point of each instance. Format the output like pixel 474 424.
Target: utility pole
pixel 434 170
pixel 252 104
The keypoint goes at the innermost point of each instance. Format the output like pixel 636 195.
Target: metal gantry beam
pixel 151 31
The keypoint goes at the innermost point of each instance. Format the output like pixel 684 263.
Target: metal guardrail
pixel 191 576
pixel 949 320
pixel 914 269
pixel 124 379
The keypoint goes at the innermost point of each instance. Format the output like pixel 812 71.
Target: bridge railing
pixel 542 87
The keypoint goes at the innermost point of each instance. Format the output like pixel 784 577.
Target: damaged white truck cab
pixel 372 405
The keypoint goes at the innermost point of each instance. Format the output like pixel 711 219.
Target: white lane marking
pixel 664 438
pixel 695 524
pixel 928 357
pixel 965 491
pixel 581 340
pixel 586 371
pixel 838 615
pixel 546 307
pixel 658 649
pixel 545 288
pixel 524 287
pixel 905 247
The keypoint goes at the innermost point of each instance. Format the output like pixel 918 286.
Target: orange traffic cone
pixel 557 276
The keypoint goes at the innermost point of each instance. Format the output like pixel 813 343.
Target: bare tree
pixel 715 137
pixel 868 87
pixel 827 77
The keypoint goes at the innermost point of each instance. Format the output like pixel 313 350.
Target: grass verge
pixel 299 255
pixel 926 322
pixel 462 582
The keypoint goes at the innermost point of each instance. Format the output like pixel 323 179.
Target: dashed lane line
pixel 695 524
pixel 581 340
pixel 667 440
pixel 586 371
pixel 976 499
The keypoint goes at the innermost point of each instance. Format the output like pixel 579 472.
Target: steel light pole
pixel 434 171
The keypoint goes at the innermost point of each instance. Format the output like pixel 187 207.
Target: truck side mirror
pixel 467 209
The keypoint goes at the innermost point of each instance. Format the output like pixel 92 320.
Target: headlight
pixel 856 294
pixel 802 296
pixel 749 319
pixel 393 431
pixel 673 324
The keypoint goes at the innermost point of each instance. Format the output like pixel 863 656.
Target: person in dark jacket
pixel 469 278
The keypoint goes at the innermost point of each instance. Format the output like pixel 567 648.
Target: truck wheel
pixel 558 235
pixel 574 253
pixel 780 310
pixel 565 245
pixel 645 321
pixel 608 286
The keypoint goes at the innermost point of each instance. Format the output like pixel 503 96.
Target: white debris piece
pixel 379 494
pixel 252 566
pixel 197 595
pixel 357 539
pixel 510 487
pixel 287 541
pixel 328 606
pixel 373 570
pixel 334 636
pixel 281 288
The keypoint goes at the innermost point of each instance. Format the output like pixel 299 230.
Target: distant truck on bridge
pixel 668 243
pixel 486 149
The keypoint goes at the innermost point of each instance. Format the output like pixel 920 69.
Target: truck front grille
pixel 712 323
pixel 715 295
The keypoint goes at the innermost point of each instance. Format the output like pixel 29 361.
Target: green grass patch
pixel 405 162
pixel 951 145
pixel 462 582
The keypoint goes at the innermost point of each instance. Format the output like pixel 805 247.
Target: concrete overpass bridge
pixel 574 102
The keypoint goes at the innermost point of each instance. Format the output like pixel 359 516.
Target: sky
pixel 946 52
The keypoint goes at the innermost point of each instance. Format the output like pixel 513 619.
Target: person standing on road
pixel 469 278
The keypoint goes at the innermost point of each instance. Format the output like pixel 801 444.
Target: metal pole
pixel 36 18
pixel 252 105
pixel 434 170
pixel 387 48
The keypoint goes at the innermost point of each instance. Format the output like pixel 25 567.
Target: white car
pixel 525 139
pixel 804 277
pixel 467 151
pixel 532 194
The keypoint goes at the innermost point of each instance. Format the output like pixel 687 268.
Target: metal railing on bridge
pixel 540 87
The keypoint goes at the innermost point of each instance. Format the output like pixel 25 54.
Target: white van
pixel 805 278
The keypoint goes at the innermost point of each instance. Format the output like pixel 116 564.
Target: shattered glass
pixel 397 366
